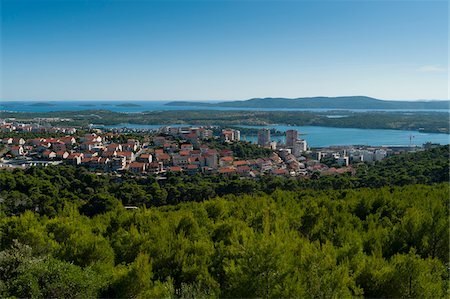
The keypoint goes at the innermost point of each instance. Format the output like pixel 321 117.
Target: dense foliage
pixel 388 242
pixel 382 233
pixel 46 190
pixel 241 150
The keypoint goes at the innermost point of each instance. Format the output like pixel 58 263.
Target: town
pixel 187 150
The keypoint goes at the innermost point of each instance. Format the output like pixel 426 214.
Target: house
pixel 62 155
pixel 180 160
pixel 17 150
pixel 155 167
pixel 7 140
pixel 91 138
pixel 158 151
pixel 175 169
pixel 192 169
pixel 227 170
pixel 243 170
pixel 133 141
pixel 279 172
pixel 226 161
pixel 118 163
pixel 34 141
pixel 164 158
pixel 114 147
pixel 129 156
pixel 187 147
pixel 145 158
pixel 49 154
pixel 137 167
pixel 88 161
pixel 170 147
pixel 58 146
pixel 42 146
pixel 71 131
pixel 109 154
pixel 100 164
pixel 240 163
pixel 184 153
pixel 7 128
pixel 129 147
pixel 205 133
pixel 68 140
pixel 75 158
pixel 90 154
pixel 18 141
pixel 87 146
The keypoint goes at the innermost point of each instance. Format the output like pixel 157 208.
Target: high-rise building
pixel 291 138
pixel 264 137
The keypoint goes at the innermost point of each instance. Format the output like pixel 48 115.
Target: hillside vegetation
pixel 423 121
pixel 383 233
pixel 349 102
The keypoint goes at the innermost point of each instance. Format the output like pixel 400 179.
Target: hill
pixel 346 102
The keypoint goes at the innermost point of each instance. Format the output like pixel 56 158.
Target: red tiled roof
pixel 137 165
pixel 244 168
pixel 279 171
pixel 240 163
pixel 226 170
pixel 163 156
pixel 124 154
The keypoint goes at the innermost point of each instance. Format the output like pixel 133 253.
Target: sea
pixel 316 136
pixel 141 106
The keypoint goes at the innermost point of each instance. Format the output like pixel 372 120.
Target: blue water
pixel 30 106
pixel 326 136
pixel 316 136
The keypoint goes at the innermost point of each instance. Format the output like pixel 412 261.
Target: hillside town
pixel 177 149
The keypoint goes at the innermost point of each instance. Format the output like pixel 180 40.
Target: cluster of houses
pixel 8 127
pixel 176 149
pixel 172 149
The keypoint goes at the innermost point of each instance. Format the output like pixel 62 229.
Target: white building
pixel 300 146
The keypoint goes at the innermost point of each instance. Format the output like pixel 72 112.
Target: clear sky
pixel 223 50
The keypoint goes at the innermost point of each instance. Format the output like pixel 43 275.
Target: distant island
pixel 347 102
pixel 42 104
pixel 128 105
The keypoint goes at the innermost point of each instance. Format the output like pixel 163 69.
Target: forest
pixel 382 233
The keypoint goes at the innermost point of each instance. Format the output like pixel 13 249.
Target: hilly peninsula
pixel 346 102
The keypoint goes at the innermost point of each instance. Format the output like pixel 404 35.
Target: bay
pixel 328 136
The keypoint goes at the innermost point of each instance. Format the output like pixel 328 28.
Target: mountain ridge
pixel 343 102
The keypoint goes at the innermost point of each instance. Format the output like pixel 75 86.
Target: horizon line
pixel 213 100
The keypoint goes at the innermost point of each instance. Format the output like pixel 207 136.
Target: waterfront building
pixel 230 135
pixel 291 138
pixel 264 137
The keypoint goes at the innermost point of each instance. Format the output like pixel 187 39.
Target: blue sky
pixel 199 50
